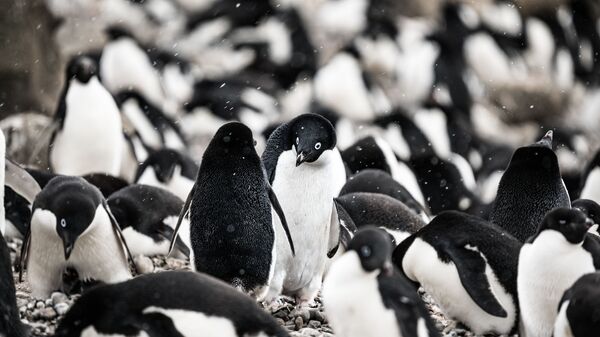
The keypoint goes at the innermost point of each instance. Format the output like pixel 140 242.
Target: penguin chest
pixel 591 189
pixel 442 282
pixel 562 327
pixel 91 138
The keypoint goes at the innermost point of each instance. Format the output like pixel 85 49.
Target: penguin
pixel 364 295
pixel 590 188
pixel 107 184
pixel 10 323
pixel 72 226
pixel 88 134
pixel 469 267
pixel 549 263
pixel 231 222
pixel 147 216
pixel 382 211
pixel 190 304
pixel 306 171
pixel 379 181
pixel 592 210
pixel 578 312
pixel 169 169
pixel 530 187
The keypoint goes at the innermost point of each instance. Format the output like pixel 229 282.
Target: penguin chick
pixel 365 296
pixel 72 226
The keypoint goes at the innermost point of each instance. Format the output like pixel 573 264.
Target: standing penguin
pixel 549 264
pixel 469 267
pixel 307 172
pixel 167 304
pixel 578 314
pixel 71 226
pixel 88 136
pixel 231 223
pixel 364 296
pixel 10 324
pixel 530 187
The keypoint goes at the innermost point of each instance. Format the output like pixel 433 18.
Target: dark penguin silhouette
pixel 10 323
pixel 168 304
pixel 231 227
pixel 578 314
pixel 591 209
pixel 365 296
pixel 530 187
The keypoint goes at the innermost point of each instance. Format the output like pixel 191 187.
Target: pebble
pixel 58 297
pixel 301 312
pixel 144 264
pixel 61 308
pixel 298 323
pixel 314 324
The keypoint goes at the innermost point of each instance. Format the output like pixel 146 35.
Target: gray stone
pixel 61 308
pixel 58 297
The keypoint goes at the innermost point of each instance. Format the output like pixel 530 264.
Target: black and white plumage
pixel 190 304
pixel 169 169
pixel 88 132
pixel 306 172
pixel 364 295
pixel 10 323
pixel 549 264
pixel 469 267
pixel 578 314
pixel 379 181
pixel 530 187
pixel 72 226
pixel 231 221
pixel 381 211
pixel 592 210
pixel 147 216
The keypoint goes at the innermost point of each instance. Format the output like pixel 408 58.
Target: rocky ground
pixel 43 316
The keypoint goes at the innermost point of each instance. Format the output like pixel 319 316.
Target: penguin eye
pixel 365 251
pixel 318 146
pixel 63 223
pixel 297 140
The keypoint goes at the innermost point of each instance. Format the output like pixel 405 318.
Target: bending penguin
pixel 578 314
pixel 88 133
pixel 469 267
pixel 231 223
pixel 530 187
pixel 365 296
pixel 549 263
pixel 191 304
pixel 72 226
pixel 307 172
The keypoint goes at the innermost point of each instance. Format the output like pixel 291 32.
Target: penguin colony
pixel 334 153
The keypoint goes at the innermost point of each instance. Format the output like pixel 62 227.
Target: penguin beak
pixel 589 223
pixel 68 250
pixel 547 139
pixel 68 243
pixel 300 158
pixel 388 268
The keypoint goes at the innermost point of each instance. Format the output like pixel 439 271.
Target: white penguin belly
pixel 140 244
pixel 196 324
pixel 591 189
pixel 306 196
pixel 547 268
pixel 91 138
pixel 562 327
pixel 353 302
pixel 442 282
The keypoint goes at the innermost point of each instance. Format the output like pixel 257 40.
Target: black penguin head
pixel 116 32
pixel 82 68
pixel 73 202
pixel 570 222
pixel 590 208
pixel 374 249
pixel 163 162
pixel 311 135
pixel 539 154
pixel 233 138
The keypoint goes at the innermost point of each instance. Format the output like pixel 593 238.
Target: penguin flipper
pixel 119 234
pixel 20 181
pixel 471 270
pixel 167 233
pixel 347 225
pixel 592 245
pixel 335 232
pixel 24 253
pixel 182 215
pixel 276 144
pixel 277 208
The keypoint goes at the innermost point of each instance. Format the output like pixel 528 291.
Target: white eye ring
pixel 297 140
pixel 318 146
pixel 63 223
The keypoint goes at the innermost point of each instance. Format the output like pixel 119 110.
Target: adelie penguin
pixel 530 187
pixel 578 314
pixel 549 263
pixel 307 172
pixel 469 267
pixel 231 222
pixel 147 216
pixel 72 226
pixel 87 135
pixel 190 304
pixel 365 296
